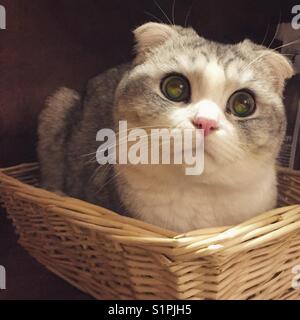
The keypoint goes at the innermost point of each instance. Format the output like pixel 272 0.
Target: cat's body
pixel 239 179
pixel 67 145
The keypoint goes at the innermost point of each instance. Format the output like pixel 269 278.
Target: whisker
pixel 228 151
pixel 87 154
pixel 287 44
pixel 173 12
pixel 277 28
pixel 90 161
pixel 161 143
pixel 118 174
pixel 153 16
pixel 188 14
pixel 102 168
pixel 115 175
pixel 178 124
pixel 266 32
pixel 163 12
pixel 145 127
pixel 268 52
pixel 124 141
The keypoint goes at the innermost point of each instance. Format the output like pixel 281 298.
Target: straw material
pixel 115 257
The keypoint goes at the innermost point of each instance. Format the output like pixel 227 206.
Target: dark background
pixel 53 43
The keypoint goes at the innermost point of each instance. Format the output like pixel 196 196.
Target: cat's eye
pixel 241 104
pixel 176 88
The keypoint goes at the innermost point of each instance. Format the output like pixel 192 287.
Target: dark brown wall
pixel 50 43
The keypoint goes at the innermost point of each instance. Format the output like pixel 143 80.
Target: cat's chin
pixel 215 164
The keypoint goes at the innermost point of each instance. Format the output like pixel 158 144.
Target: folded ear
pixel 151 35
pixel 281 68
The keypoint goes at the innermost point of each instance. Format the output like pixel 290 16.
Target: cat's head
pixel 234 92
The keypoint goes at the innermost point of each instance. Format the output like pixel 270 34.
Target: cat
pixel 178 79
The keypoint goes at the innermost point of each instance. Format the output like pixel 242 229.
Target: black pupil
pixel 244 99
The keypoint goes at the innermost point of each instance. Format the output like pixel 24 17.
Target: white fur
pixel 165 197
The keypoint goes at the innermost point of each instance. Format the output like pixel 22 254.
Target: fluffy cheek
pixel 260 137
pixel 181 118
pixel 224 146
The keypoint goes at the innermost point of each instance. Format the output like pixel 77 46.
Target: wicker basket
pixel 115 257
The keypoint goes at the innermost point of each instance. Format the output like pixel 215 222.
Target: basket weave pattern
pixel 115 257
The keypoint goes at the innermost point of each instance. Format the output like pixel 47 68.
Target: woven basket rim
pixel 262 228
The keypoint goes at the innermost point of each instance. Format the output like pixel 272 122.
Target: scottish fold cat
pixel 177 79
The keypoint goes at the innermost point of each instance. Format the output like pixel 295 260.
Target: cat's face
pixel 235 90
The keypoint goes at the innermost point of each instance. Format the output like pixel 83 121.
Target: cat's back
pixel 68 126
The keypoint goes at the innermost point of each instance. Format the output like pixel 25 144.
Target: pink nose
pixel 208 125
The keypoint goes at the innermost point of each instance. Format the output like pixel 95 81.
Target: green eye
pixel 176 88
pixel 241 104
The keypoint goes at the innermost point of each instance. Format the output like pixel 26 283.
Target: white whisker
pixel 287 44
pixel 266 33
pixel 188 15
pixel 163 12
pixel 276 31
pixel 153 16
pixel 173 12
